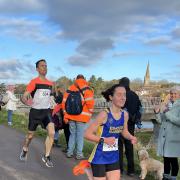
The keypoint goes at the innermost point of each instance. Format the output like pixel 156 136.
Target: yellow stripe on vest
pixel 99 133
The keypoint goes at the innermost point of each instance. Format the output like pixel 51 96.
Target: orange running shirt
pixel 40 91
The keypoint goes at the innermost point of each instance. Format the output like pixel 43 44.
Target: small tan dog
pixel 149 165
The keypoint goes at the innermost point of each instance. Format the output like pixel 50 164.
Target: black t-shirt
pixel 133 105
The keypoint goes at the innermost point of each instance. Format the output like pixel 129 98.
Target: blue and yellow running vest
pixel 103 153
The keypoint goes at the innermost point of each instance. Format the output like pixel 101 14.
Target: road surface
pixel 11 168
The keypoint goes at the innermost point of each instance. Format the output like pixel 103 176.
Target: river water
pixel 145 124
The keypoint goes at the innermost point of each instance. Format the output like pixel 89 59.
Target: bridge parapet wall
pixel 148 104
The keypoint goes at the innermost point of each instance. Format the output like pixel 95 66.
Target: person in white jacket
pixel 11 104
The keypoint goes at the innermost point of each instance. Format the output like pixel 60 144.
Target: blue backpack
pixel 73 104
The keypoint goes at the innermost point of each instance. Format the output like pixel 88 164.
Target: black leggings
pixel 171 165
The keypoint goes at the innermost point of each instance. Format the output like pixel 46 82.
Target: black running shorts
pixel 39 117
pixel 99 170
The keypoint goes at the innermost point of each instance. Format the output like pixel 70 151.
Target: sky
pixel 106 38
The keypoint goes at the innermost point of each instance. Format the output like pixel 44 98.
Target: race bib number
pixel 44 93
pixel 114 147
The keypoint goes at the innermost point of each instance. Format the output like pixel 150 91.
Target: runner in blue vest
pixel 105 131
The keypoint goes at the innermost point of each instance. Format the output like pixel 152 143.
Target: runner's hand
pixel 110 141
pixel 27 102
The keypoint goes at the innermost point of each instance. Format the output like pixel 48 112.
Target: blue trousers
pixel 10 112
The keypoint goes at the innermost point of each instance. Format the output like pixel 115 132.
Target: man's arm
pixel 26 98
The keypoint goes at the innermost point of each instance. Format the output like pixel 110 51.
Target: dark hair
pixel 37 63
pixel 80 76
pixel 110 91
pixel 59 98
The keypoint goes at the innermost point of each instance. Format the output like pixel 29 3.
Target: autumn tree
pixel 64 82
pixel 20 88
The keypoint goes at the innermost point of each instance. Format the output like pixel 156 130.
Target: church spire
pixel 147 76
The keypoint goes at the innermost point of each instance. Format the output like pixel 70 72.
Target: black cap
pixel 80 76
pixel 124 81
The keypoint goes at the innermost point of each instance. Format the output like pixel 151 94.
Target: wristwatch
pixel 101 141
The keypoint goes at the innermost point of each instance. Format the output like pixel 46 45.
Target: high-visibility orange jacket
pixel 87 102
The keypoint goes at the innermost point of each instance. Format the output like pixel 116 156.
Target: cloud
pixel 124 54
pixel 134 53
pixel 94 47
pixel 11 65
pixel 163 40
pixel 6 75
pixel 52 77
pixel 176 33
pixel 172 76
pixel 176 46
pixel 23 28
pixel 28 55
pixel 28 67
pixel 59 69
pixel 16 7
pixel 90 51
pixel 82 21
pixel 9 69
pixel 80 60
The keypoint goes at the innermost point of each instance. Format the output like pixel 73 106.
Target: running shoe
pixel 80 157
pixel 23 155
pixel 10 123
pixel 47 161
pixel 69 155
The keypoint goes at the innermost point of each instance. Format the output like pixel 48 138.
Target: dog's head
pixel 143 154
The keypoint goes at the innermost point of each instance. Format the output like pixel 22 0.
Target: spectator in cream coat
pixel 11 104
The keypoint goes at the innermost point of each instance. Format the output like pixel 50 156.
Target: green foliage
pixel 99 85
pixel 136 84
pixel 20 89
pixel 144 137
pixel 64 82
pixel 2 88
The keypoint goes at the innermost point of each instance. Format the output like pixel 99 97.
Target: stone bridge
pixel 148 104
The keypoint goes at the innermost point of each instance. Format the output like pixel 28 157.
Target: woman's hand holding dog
pixel 133 140
pixel 157 109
